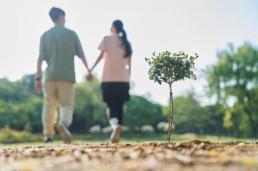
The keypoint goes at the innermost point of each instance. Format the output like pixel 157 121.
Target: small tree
pixel 167 67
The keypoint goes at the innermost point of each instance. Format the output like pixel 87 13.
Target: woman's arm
pixel 97 61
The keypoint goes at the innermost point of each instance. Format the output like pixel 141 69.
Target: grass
pixel 145 137
pixel 127 138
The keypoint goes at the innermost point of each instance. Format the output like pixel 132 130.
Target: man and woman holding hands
pixel 58 47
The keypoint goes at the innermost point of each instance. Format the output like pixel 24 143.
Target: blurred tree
pixel 190 116
pixel 213 120
pixel 19 107
pixel 89 108
pixel 233 80
pixel 139 111
pixel 18 90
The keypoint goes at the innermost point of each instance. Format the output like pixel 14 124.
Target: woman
pixel 116 51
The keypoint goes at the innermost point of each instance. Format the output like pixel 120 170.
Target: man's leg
pixel 49 114
pixel 66 99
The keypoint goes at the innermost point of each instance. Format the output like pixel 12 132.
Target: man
pixel 58 46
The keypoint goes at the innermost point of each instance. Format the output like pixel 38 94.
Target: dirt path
pixel 194 156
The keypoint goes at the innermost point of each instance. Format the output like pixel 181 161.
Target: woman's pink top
pixel 116 66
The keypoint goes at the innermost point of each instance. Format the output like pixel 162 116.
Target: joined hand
pixel 90 76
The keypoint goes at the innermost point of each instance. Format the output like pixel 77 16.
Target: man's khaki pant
pixel 57 93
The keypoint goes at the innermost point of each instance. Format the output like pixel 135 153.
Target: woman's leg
pixel 113 114
pixel 116 115
pixel 120 113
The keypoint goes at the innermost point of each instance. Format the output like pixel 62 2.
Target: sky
pixel 194 26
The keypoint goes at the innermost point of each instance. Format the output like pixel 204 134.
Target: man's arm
pixel 38 76
pixel 39 66
pixel 41 58
pixel 80 53
pixel 85 63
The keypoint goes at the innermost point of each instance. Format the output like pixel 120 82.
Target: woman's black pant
pixel 115 110
pixel 115 94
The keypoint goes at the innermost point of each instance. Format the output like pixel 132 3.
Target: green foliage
pixel 139 111
pixel 233 80
pixel 168 68
pixel 190 116
pixel 8 135
pixel 89 108
pixel 19 106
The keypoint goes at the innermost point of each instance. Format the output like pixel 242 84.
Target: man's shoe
pixel 48 140
pixel 115 136
pixel 65 133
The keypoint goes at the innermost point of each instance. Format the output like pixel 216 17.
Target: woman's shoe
pixel 115 136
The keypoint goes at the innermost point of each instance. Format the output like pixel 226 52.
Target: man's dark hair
pixel 55 13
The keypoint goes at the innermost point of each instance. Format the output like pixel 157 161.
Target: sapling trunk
pixel 171 112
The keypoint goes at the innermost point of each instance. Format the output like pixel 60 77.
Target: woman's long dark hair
pixel 118 24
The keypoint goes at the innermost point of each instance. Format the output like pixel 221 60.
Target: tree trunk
pixel 252 123
pixel 171 112
pixel 250 115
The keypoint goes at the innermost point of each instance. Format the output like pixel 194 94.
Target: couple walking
pixel 58 47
